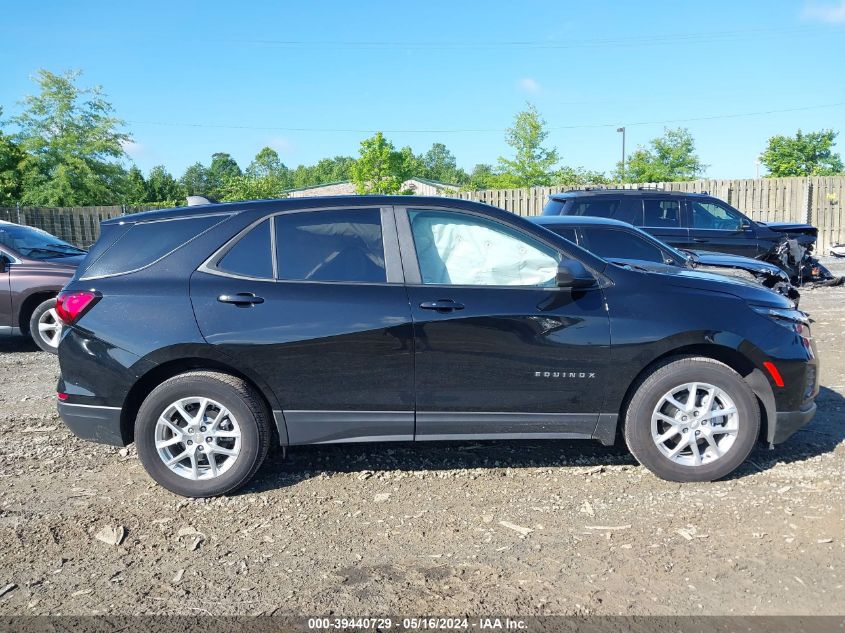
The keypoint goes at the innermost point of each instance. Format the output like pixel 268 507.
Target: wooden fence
pixel 817 200
pixel 77 225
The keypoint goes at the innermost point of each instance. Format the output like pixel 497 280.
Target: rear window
pixel 597 207
pixel 145 243
pixel 554 207
pixel 344 245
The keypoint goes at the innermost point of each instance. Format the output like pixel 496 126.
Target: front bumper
pixel 789 422
pixel 93 423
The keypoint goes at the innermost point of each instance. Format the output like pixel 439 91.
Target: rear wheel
pixel 45 327
pixel 692 419
pixel 202 434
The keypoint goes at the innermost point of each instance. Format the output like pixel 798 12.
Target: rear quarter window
pixel 145 243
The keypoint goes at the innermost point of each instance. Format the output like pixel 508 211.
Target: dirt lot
pixel 429 529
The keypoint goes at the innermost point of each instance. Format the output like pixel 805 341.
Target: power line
pixel 657 39
pixel 481 130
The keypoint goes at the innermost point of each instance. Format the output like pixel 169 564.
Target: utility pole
pixel 622 172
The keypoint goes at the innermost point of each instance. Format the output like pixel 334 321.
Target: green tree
pixel 252 188
pixel 73 144
pixel 265 163
pixel 162 187
pixel 532 164
pixel 578 176
pixel 135 187
pixel 808 154
pixel 222 167
pixel 10 175
pixel 439 164
pixel 380 168
pixel 670 157
pixel 335 169
pixel 482 176
pixel 195 181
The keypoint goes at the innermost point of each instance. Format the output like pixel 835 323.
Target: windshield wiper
pixel 50 251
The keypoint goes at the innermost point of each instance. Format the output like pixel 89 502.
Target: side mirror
pixel 572 274
pixel 744 225
pixel 4 264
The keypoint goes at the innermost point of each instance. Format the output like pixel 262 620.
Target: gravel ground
pixel 460 528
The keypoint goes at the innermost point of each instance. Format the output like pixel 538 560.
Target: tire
pixel 45 327
pixel 244 432
pixel 651 417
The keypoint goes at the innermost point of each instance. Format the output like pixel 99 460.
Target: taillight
pixel 72 305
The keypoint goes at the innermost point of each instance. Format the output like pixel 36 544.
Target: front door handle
pixel 243 299
pixel 700 240
pixel 442 305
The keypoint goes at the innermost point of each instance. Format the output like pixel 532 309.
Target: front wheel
pixel 45 327
pixel 202 433
pixel 692 419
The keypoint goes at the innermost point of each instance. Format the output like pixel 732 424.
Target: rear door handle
pixel 244 299
pixel 700 240
pixel 442 305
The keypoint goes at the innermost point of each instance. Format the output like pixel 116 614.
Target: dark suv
pixel 206 333
pixel 34 266
pixel 700 221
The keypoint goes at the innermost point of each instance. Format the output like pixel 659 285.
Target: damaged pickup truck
pixel 700 221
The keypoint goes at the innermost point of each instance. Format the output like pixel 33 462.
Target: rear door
pixel 662 216
pixel 715 226
pixel 313 302
pixel 500 351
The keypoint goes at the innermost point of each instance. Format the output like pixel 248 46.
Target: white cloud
pixel 826 12
pixel 132 148
pixel 280 144
pixel 530 85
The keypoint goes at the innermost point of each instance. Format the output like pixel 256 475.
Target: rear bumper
pixel 93 423
pixel 789 422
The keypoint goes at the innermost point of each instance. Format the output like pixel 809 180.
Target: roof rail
pixel 194 201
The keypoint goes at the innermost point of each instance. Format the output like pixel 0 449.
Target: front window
pixel 617 244
pixel 712 215
pixel 462 249
pixel 34 243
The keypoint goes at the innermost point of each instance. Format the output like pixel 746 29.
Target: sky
pixel 312 79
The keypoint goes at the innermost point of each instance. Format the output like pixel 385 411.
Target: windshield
pixel 34 243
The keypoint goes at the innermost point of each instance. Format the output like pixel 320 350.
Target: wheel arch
pixel 29 304
pixel 168 369
pixel 731 357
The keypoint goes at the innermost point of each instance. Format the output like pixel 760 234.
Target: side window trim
pixel 210 265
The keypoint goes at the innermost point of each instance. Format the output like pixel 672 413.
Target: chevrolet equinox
pixel 203 334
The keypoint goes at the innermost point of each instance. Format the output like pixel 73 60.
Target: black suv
pixel 206 333
pixel 700 221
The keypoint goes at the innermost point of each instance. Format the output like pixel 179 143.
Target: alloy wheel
pixel 197 438
pixel 50 328
pixel 695 423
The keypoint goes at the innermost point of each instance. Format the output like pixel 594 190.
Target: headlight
pixel 793 320
pixel 785 316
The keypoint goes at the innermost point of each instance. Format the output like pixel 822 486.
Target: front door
pixel 714 226
pixel 324 320
pixel 500 351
